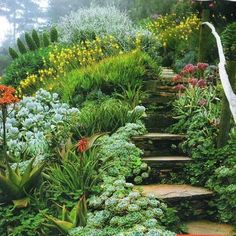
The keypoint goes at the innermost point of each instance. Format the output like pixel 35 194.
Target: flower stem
pixel 4 118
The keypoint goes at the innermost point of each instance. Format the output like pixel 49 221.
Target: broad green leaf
pixel 63 226
pixel 13 177
pixel 27 172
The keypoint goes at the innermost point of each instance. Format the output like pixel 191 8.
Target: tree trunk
pixel 203 37
pixel 225 110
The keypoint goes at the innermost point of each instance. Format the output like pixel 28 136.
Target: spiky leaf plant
pixel 71 219
pixel 15 185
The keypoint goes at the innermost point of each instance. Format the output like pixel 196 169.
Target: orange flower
pixel 82 145
pixel 7 95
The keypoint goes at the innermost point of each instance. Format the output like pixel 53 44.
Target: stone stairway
pixel 163 153
pixel 159 102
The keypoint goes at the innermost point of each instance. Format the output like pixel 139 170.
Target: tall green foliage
pixel 30 42
pixel 46 41
pixel 53 35
pixel 36 38
pixel 13 53
pixel 21 46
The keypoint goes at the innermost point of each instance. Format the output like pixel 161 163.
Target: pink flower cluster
pixel 192 75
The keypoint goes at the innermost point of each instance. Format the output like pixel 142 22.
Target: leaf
pixel 35 173
pixel 7 186
pixel 61 225
pixel 27 172
pixel 93 138
pixel 21 203
pixel 13 176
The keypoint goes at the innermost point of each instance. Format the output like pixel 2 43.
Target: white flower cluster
pixel 99 21
pixel 33 122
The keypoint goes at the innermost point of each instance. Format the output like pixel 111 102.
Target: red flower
pixel 177 78
pixel 193 81
pixel 189 69
pixel 202 83
pixel 7 95
pixel 202 66
pixel 82 145
pixel 179 87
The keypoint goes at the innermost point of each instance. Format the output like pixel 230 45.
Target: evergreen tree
pixel 21 46
pixel 13 53
pixel 36 38
pixel 30 42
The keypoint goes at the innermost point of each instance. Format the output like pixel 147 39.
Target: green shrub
pixel 28 63
pixel 86 24
pixel 229 41
pixel 127 69
pixel 223 181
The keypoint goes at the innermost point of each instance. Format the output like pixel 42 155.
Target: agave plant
pixel 70 219
pixel 15 185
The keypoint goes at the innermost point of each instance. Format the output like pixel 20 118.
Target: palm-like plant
pixel 16 185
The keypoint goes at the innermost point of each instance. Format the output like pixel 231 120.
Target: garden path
pixel 163 154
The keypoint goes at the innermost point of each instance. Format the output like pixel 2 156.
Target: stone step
pixel 166 160
pixel 175 192
pixel 159 98
pixel 205 227
pixel 159 136
pixel 158 121
pixel 159 144
pixel 153 86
